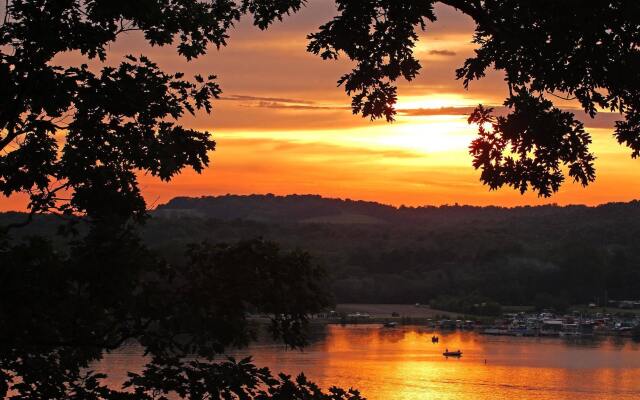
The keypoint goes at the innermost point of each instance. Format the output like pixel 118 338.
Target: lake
pixel 402 364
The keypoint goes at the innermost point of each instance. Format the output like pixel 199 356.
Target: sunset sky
pixel 284 127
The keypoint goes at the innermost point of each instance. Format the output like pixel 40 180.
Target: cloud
pixel 279 105
pixel 446 53
pixel 282 103
pixel 239 97
pixel 421 112
pixel 602 120
pixel 352 153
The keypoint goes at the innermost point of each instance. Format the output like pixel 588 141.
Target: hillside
pixel 314 208
pixel 270 208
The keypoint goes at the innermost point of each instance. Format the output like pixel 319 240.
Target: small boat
pixel 390 324
pixel 434 339
pixel 452 353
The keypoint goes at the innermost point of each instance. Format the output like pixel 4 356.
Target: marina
pixel 528 324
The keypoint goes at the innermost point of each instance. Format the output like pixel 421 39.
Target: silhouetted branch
pixel 474 10
pixel 12 134
pixel 561 97
pixel 6 12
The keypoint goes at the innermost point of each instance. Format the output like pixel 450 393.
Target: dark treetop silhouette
pixel 61 310
pixel 587 51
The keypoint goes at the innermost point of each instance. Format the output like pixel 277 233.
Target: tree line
pixel 569 255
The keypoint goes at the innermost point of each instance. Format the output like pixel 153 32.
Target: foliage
pixel 546 301
pixel 59 311
pixel 511 152
pixel 228 380
pixel 468 304
pixel 379 36
pixel 74 139
pixel 573 50
pixel 116 120
pixel 408 255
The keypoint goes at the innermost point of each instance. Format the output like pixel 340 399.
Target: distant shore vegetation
pixel 454 257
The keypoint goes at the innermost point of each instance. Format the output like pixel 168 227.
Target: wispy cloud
pixel 239 97
pixel 282 103
pixel 421 112
pixel 445 53
pixel 323 149
pixel 602 120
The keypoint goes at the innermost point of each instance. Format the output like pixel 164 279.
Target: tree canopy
pixel 74 138
pixel 582 51
pixel 60 311
pixel 116 121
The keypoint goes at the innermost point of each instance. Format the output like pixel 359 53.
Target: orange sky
pixel 284 127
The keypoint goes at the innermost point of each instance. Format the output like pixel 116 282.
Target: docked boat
pixel 570 330
pixel 447 324
pixel 551 327
pixel 495 331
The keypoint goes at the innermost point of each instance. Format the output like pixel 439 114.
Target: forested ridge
pixel 379 253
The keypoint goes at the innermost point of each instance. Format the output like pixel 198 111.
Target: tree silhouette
pixel 74 138
pixel 60 312
pixel 582 51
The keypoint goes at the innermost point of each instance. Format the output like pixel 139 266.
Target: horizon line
pixel 455 204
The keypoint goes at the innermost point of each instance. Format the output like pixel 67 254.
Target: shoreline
pixel 508 324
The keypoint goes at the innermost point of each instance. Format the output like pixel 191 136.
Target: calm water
pixel 403 364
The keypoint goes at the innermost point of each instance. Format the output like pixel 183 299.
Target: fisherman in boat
pixel 448 353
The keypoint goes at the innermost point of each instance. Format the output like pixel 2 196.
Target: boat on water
pixel 457 353
pixel 390 324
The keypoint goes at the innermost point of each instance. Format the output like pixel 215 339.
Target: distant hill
pixel 317 209
pixel 271 208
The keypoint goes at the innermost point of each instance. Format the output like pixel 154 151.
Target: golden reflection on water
pixel 402 364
